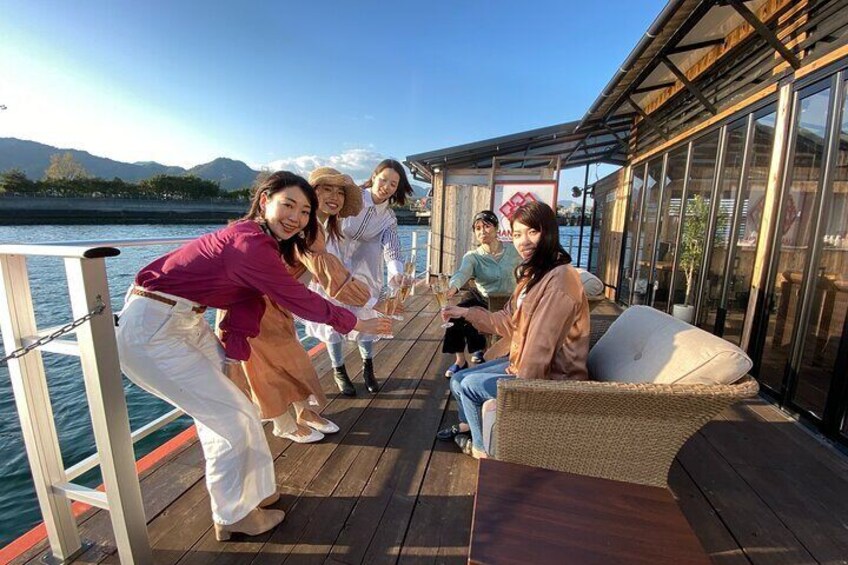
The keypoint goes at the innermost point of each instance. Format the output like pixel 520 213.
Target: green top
pixel 493 277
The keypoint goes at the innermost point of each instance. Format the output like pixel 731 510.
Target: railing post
pixel 108 409
pixel 414 259
pixel 29 384
pixel 429 249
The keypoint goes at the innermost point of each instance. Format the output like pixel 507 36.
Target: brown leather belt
pixel 153 296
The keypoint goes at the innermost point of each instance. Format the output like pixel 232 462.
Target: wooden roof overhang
pixel 605 143
pixel 700 57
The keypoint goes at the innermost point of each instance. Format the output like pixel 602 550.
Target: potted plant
pixel 695 225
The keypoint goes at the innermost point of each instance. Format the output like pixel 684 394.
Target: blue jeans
pixel 471 388
pixel 336 352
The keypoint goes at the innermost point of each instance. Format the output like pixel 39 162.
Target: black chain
pixel 98 309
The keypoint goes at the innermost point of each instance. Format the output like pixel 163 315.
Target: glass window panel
pixel 645 247
pixel 794 234
pixel 630 236
pixel 667 224
pixel 696 219
pixel 830 298
pixel 647 233
pixel 728 190
pixel 747 229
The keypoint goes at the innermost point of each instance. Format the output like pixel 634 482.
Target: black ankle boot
pixel 368 375
pixel 343 381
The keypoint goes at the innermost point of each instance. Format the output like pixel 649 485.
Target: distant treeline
pixel 160 187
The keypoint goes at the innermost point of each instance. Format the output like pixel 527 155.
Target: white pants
pixel 171 352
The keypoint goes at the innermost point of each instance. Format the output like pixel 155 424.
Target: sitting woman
pixel 492 266
pixel 545 324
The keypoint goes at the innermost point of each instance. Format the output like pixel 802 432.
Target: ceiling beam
pixel 648 119
pixel 681 76
pixel 694 46
pixel 653 87
pixel 765 33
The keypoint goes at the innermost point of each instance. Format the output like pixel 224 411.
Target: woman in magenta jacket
pixel 168 348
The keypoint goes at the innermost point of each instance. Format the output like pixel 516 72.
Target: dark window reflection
pixel 795 237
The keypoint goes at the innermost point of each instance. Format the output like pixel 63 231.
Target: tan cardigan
pixel 548 336
pixel 280 371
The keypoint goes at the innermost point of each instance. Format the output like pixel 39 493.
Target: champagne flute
pixel 403 291
pixel 393 300
pixel 409 268
pixel 391 304
pixel 440 290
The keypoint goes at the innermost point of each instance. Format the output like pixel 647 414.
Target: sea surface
pixel 18 504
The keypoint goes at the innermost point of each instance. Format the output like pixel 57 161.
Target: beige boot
pixel 266 502
pixel 257 522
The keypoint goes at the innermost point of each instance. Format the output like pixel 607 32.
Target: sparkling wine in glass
pixel 403 292
pixel 393 300
pixel 440 290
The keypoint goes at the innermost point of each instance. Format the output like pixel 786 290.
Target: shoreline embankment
pixel 23 210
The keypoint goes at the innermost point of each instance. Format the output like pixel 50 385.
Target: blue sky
pixel 302 83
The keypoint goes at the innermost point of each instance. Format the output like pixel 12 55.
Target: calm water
pixel 18 505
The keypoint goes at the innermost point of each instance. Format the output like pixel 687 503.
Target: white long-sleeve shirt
pixel 370 240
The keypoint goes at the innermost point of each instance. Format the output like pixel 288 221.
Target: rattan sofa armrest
pixel 621 431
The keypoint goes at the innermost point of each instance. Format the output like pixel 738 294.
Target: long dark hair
pixel 404 189
pixel 334 228
pixel 274 183
pixel 548 254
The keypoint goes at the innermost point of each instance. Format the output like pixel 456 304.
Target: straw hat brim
pixel 328 176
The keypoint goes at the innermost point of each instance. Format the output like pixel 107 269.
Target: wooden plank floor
pixel 755 486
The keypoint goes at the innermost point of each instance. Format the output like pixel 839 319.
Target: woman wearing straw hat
pixel 366 243
pixel 279 375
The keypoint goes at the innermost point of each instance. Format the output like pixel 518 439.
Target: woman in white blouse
pixel 369 241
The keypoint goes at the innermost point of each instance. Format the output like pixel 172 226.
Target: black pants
pixel 462 333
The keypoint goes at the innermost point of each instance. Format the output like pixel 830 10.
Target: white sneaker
pixel 313 436
pixel 325 427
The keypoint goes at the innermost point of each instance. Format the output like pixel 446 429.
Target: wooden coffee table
pixel 530 515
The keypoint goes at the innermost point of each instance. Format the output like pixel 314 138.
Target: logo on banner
pixel 508 196
pixel 518 200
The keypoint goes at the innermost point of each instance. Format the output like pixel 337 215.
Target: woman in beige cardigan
pixel 279 376
pixel 545 324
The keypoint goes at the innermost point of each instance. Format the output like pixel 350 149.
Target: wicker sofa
pixel 656 381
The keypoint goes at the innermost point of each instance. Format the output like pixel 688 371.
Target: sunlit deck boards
pixel 755 487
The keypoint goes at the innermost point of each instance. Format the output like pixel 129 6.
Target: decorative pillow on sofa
pixel 592 285
pixel 645 345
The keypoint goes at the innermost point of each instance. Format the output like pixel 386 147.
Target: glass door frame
pixel 684 193
pixel 637 229
pixel 758 109
pixel 651 289
pixel 715 205
pixel 833 412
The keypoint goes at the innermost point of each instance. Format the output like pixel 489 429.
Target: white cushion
pixel 645 345
pixel 490 413
pixel 592 285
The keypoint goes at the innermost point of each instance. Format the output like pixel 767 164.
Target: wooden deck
pixel 754 485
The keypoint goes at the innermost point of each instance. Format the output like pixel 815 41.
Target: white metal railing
pixel 95 345
pixel 85 267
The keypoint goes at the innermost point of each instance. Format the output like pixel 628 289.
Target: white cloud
pixel 358 163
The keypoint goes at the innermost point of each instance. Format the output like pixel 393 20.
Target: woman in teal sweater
pixel 492 266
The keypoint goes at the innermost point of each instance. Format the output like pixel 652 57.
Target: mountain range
pixel 33 158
